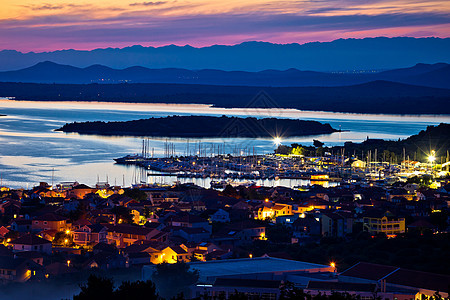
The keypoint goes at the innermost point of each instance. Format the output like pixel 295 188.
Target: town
pixel 241 237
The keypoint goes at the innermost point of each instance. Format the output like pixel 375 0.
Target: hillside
pixel 372 97
pixel 432 75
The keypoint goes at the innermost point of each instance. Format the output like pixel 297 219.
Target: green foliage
pixel 136 194
pixel 230 191
pixel 96 288
pixel 424 180
pixel 61 237
pixel 299 150
pixel 283 149
pixel 174 279
pixel 123 213
pixel 318 144
pixel 136 290
pixel 103 288
pixel 278 233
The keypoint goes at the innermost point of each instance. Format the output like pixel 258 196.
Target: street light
pixel 432 156
pixel 431 159
pixel 277 141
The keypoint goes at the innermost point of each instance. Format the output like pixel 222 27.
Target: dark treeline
pixel 373 97
pixel 416 147
pixel 202 126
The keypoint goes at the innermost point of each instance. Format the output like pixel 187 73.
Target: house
pixel 288 220
pixel 336 224
pixel 203 249
pixel 220 216
pixel 174 254
pixel 3 231
pixel 79 191
pixel 90 235
pixel 276 210
pixel 159 252
pixel 31 242
pixel 139 258
pixel 124 235
pixel 49 221
pixel 306 227
pixel 106 261
pixel 192 234
pixel 21 225
pixel 376 222
pixel 10 207
pixel 18 269
pixel 188 220
pixel 238 233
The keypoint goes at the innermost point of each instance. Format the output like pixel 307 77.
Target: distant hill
pixel 373 97
pixel 379 53
pixel 416 147
pixel 433 75
pixel 202 126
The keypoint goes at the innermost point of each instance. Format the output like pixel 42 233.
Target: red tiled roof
pixel 50 217
pixel 30 239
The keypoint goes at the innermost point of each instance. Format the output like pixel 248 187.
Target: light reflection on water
pixel 30 151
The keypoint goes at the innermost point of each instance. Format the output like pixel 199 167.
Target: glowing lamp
pixel 432 156
pixel 277 141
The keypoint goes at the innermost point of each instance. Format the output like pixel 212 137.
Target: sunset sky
pixel 36 25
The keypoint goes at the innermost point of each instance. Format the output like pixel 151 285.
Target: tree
pixel 230 191
pixel 103 288
pixel 318 144
pixel 136 290
pixel 299 150
pixel 136 194
pixel 96 288
pixel 173 279
pixel 62 239
pixel 123 213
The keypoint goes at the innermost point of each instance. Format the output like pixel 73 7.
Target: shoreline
pixel 127 106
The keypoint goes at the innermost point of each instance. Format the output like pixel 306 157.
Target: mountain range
pixel 430 75
pixel 378 53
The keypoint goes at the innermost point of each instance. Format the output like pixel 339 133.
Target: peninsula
pixel 203 126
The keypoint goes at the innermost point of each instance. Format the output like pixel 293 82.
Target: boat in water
pixel 129 159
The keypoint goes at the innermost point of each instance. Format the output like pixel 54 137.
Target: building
pixel 21 225
pixel 398 282
pixel 31 242
pixel 49 221
pixel 336 224
pixel 276 210
pixel 90 235
pixel 245 275
pixel 126 235
pixel 386 223
pixel 18 269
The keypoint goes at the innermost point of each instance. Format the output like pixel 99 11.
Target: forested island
pixel 202 126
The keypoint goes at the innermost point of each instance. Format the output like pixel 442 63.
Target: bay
pixel 31 151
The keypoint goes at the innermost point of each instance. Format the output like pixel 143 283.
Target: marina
pixel 32 151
